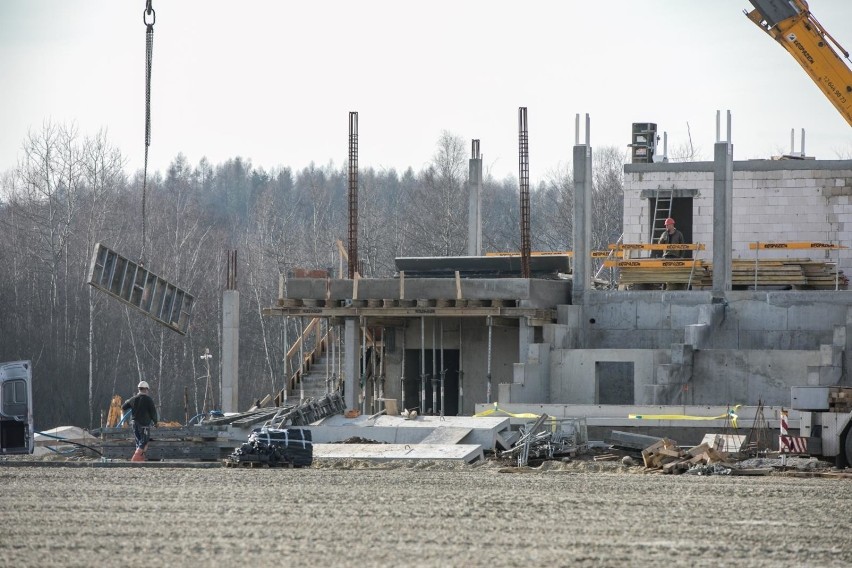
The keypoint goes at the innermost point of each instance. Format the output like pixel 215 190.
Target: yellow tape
pixel 494 410
pixel 731 414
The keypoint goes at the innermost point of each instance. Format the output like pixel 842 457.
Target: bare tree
pixel 438 206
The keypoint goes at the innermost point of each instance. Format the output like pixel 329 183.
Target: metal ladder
pixel 662 211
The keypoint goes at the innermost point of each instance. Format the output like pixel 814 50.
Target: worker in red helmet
pixel 671 236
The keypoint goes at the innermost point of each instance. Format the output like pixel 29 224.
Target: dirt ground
pixel 423 514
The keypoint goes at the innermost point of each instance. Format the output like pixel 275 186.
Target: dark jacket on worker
pixel 676 238
pixel 143 408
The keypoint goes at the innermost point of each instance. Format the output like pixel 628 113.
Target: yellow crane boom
pixel 791 24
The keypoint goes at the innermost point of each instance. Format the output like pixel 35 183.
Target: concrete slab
pixel 468 453
pixel 397 430
pixel 446 435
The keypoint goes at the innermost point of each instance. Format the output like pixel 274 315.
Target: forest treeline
pixel 71 190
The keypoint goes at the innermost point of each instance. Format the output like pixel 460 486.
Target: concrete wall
pixel 754 347
pixel 774 200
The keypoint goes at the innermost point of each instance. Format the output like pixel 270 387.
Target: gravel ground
pixel 423 514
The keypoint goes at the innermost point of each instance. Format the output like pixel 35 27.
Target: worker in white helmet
pixel 144 413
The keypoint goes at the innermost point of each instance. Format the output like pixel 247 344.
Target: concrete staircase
pixel 314 383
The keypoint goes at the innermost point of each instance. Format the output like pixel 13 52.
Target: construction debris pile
pixel 666 456
pixel 273 447
pixel 548 438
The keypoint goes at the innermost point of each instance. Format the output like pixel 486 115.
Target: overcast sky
pixel 274 81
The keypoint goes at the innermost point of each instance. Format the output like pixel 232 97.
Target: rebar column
pixel 524 179
pixel 353 194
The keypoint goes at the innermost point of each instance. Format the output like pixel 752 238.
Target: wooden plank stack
pixel 665 456
pixel 840 399
pixel 797 273
pixel 699 274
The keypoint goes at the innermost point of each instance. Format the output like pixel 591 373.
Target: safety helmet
pixel 142 385
pixel 669 221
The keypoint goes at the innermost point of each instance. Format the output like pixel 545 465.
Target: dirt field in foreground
pixel 417 515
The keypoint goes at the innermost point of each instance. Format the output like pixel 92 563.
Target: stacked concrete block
pixel 530 380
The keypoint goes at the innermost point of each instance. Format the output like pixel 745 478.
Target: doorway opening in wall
pixel 614 382
pixel 681 212
pixel 451 382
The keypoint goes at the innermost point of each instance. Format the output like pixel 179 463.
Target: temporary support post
pixel 373 376
pixel 364 366
pixel 285 390
pixel 488 369
pixel 422 365
pixel 434 368
pixel 461 372
pixel 382 365
pixel 402 374
pixel 329 374
pixel 443 368
pixel 301 360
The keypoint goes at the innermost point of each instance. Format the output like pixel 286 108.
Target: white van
pixel 16 408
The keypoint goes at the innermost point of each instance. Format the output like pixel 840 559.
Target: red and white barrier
pixel 790 444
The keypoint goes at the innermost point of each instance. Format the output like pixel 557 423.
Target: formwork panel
pixel 133 284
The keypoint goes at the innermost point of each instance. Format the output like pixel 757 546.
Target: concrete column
pixel 230 351
pixel 582 266
pixel 723 197
pixel 350 363
pixel 525 339
pixel 474 229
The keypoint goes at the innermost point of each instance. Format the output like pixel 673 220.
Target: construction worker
pixel 144 413
pixel 671 236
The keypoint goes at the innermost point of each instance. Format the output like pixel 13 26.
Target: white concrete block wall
pixel 772 205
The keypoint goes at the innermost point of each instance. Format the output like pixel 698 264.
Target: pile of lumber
pixel 778 272
pixel 696 273
pixel 797 273
pixel 667 457
pixel 840 399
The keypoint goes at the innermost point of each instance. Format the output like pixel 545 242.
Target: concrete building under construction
pixel 451 336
